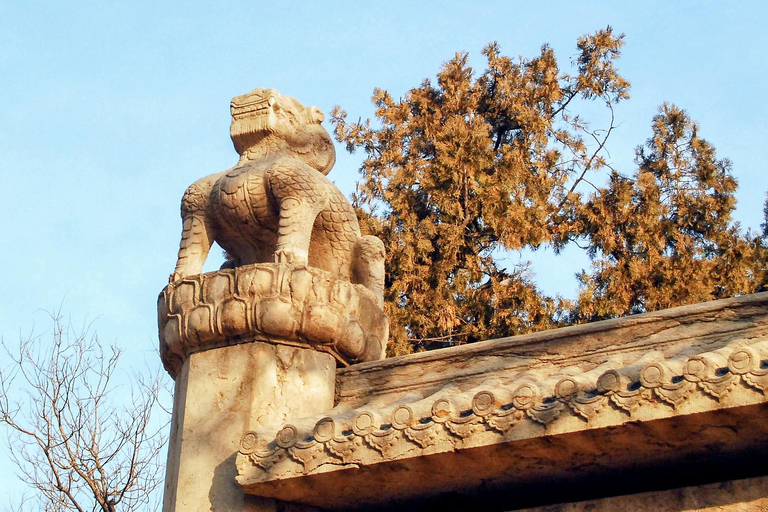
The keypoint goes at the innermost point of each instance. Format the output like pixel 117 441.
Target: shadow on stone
pixel 225 495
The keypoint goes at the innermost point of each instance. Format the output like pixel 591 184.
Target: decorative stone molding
pixel 635 402
pixel 279 303
pixel 494 411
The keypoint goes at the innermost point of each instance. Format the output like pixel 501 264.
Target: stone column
pixel 220 394
pixel 252 348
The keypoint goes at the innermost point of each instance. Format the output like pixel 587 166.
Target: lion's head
pixel 264 119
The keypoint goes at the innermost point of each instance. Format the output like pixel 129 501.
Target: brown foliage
pixel 664 237
pixel 468 166
pixel 461 169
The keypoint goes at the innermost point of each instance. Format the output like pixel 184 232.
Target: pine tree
pixel 664 237
pixel 457 170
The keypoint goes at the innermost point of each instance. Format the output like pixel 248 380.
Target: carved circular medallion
pixel 695 369
pixel 652 375
pixel 609 381
pixel 402 416
pixel 441 410
pixel 742 361
pixel 566 388
pixel 287 436
pixel 249 442
pixel 524 396
pixel 483 403
pixel 364 423
pixel 325 430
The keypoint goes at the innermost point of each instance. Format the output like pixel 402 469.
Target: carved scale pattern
pixel 417 423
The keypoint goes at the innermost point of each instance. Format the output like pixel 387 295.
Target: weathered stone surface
pixel 255 342
pixel 690 329
pixel 581 403
pixel 221 393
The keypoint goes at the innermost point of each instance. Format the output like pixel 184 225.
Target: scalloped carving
pixel 372 436
pixel 278 303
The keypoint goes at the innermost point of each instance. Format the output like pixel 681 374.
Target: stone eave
pixel 638 393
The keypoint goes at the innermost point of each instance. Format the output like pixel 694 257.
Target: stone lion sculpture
pixel 276 205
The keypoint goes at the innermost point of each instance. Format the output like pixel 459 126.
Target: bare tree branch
pixel 76 443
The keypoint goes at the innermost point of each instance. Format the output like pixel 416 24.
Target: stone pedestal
pixel 223 392
pixel 249 348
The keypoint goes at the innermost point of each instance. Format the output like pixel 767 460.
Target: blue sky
pixel 109 110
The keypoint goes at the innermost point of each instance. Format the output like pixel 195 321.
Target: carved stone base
pixel 270 302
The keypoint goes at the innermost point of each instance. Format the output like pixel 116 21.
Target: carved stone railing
pixel 496 409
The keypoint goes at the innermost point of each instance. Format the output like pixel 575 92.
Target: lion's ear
pixel 325 153
pixel 315 115
pixel 331 159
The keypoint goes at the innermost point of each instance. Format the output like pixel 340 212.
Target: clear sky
pixel 109 110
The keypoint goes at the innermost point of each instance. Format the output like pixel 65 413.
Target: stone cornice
pixel 698 327
pixel 494 411
pixel 646 369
